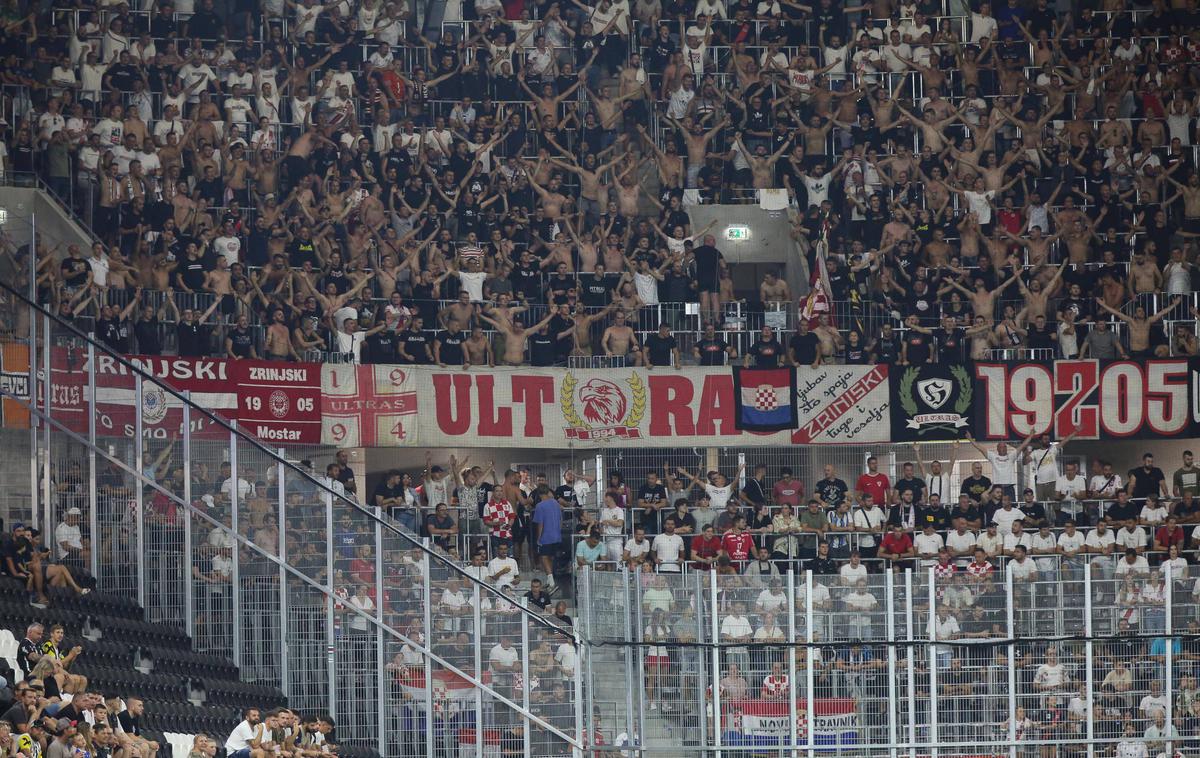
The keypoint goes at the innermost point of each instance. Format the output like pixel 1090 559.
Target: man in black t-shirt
pixel 804 349
pixel 909 481
pixel 595 289
pixel 146 330
pixel 976 485
pixel 765 351
pixel 711 350
pixel 916 350
pixel 29 652
pixel 950 340
pixel 74 269
pixel 1147 479
pixel 661 348
pixel 191 333
pixel 414 345
pixel 381 347
pixel 651 497
pixel 447 346
pixel 706 262
pixel 112 328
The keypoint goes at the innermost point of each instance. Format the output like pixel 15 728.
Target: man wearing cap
pixel 69 544
pixel 62 731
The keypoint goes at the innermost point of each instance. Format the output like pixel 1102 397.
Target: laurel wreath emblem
pixel 567 401
pixel 964 389
pixel 907 402
pixel 637 391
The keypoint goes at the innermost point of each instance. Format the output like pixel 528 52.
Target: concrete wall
pixel 770 246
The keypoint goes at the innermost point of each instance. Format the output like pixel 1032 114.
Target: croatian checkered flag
pixel 765 398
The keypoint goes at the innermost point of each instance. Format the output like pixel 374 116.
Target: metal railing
pixel 257 559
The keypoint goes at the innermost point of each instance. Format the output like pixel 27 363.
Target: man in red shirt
pixel 706 548
pixel 873 483
pixel 897 548
pixel 1168 534
pixel 788 490
pixel 737 543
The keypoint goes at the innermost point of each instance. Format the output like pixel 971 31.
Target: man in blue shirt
pixel 547 521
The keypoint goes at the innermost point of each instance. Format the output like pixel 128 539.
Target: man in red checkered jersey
pixel 776 685
pixel 501 511
pixel 737 543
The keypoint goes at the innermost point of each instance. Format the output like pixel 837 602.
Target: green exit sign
pixel 737 232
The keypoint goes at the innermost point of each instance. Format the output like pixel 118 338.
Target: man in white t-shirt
pixel 1052 675
pixel 1043 457
pixel 928 544
pixel 1017 538
pixel 503 660
pixel 1131 563
pixel 1106 484
pixel 238 743
pixel 1070 545
pixel 68 539
pixel 853 571
pixel 1044 549
pixel 1004 464
pixel 1132 537
pixel 503 570
pixel 668 548
pixel 1099 545
pixel 961 543
pixel 1069 490
pixel 636 547
pixel 1006 517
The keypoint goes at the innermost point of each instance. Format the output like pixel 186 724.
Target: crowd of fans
pixel 49 711
pixel 322 180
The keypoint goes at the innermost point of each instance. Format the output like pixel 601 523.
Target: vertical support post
pixel 793 736
pixel 911 666
pixel 1089 653
pixel 34 423
pixel 889 602
pixel 579 664
pixel 426 599
pixel 1169 686
pixel 633 580
pixel 933 666
pixel 742 468
pixel 1011 620
pixel 588 706
pixel 234 502
pixel 699 593
pixel 524 678
pixel 640 659
pixel 93 505
pixel 810 636
pixel 715 628
pixel 139 525
pixel 330 628
pixel 189 585
pixel 383 712
pixel 284 672
pixel 46 517
pixel 477 673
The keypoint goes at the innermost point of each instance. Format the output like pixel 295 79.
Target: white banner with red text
pixel 379 406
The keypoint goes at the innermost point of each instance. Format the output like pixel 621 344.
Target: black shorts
pixel 551 549
pixel 708 284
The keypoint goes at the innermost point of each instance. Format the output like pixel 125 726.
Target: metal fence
pixel 303 589
pixel 918 662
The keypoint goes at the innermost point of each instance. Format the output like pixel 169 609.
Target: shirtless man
pixel 515 336
pixel 1037 295
pixel 460 310
pixel 477 349
pixel 552 199
pixel 545 105
pixel 593 193
pixel 697 141
pixel 607 107
pixel 762 166
pixel 829 337
pixel 670 165
pixel 583 328
pixel 774 292
pixel 931 127
pixel 983 300
pixel 1139 326
pixel 1191 202
pixel 279 342
pixel 587 247
pixel 980 334
pixel 1078 237
pixel 620 339
pixel 1145 278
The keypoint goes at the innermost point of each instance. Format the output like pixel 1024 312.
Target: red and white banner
pixel 451 692
pixel 1094 399
pixel 276 402
pixel 842 404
